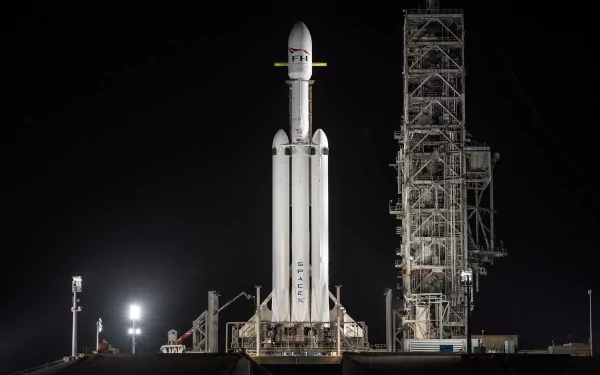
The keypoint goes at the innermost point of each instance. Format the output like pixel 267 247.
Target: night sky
pixel 144 165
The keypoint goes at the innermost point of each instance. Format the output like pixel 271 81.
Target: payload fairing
pixel 300 164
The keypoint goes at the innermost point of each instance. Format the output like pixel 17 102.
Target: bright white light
pixel 134 312
pixel 76 285
pixel 138 331
pixel 130 331
pixel 100 329
pixel 465 274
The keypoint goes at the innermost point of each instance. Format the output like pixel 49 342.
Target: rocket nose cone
pixel 300 52
pixel 300 38
pixel 319 138
pixel 280 138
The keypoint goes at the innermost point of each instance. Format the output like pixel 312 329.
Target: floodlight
pixel 134 312
pixel 466 275
pixel 76 285
pixel 130 331
pixel 98 330
pixel 75 288
pixel 138 331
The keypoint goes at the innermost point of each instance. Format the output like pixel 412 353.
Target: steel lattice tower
pixel 443 178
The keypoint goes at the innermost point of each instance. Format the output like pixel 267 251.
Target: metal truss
pixel 297 338
pixel 200 334
pixel 446 233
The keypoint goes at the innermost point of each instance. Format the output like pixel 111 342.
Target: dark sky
pixel 144 165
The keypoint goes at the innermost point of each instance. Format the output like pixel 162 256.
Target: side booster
pixel 301 164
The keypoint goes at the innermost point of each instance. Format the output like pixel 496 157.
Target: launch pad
pixel 290 338
pixel 298 338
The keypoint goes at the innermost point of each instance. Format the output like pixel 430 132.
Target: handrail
pixel 433 11
pixel 496 249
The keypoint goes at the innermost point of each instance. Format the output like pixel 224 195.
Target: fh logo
pixel 300 281
pixel 299 58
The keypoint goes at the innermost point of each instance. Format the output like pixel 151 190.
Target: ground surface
pixel 355 364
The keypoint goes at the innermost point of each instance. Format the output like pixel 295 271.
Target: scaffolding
pixel 297 338
pixel 444 182
pixel 261 336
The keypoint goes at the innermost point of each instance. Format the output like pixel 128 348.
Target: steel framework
pixel 261 336
pixel 298 338
pixel 446 234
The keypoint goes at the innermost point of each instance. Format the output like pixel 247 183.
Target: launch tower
pixel 446 230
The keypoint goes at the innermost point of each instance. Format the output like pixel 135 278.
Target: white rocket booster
pixel 319 164
pixel 308 160
pixel 281 229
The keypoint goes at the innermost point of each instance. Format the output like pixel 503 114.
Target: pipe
pixel 257 320
pixel 338 327
pixel 388 319
pixel 74 338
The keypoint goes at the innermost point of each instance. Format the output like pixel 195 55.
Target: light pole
pixel 481 341
pixel 134 316
pixel 591 347
pixel 466 276
pixel 389 331
pixel 75 288
pixel 98 330
pixel 339 320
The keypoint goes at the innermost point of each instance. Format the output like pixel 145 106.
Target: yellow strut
pixel 280 64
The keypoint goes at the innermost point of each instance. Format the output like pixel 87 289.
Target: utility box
pixel 580 349
pixel 509 346
pixel 560 350
pixel 172 337
pixel 493 343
